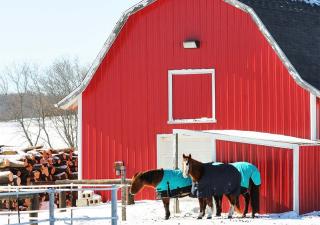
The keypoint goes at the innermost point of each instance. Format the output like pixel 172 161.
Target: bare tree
pixel 22 105
pixel 42 106
pixel 4 87
pixel 62 78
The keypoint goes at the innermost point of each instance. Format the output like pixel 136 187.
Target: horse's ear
pixel 183 155
pixel 190 156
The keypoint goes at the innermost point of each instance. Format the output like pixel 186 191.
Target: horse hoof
pixel 229 217
pixel 244 216
pixel 218 215
pixel 209 217
pixel 199 218
pixel 167 217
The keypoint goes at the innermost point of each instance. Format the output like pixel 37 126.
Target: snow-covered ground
pixel 152 212
pixel 11 135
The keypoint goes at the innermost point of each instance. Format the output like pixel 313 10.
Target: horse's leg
pixel 166 202
pixel 246 196
pixel 218 201
pixel 232 200
pixel 210 204
pixel 202 206
pixel 255 199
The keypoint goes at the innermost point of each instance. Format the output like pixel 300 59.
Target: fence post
pixel 176 207
pixel 62 201
pixel 34 206
pixel 124 192
pixel 51 206
pixel 114 214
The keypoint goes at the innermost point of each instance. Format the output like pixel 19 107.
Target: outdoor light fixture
pixel 191 44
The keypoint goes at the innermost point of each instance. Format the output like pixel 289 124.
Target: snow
pixel 11 135
pixel 313 2
pixel 253 135
pixel 152 212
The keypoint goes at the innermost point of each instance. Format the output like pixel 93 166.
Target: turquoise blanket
pixel 247 171
pixel 173 179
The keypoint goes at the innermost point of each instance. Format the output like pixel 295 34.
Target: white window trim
pixel 171 73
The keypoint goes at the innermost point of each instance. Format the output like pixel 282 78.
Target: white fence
pixel 23 191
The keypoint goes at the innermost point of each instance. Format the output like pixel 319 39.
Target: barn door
pixel 201 148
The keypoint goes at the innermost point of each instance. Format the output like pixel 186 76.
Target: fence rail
pixel 9 192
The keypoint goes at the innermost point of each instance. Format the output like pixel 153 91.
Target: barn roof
pixel 295 26
pixel 292 28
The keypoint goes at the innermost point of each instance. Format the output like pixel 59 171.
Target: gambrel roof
pixel 292 28
pixel 295 26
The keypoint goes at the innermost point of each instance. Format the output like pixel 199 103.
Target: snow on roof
pixel 251 137
pixel 312 2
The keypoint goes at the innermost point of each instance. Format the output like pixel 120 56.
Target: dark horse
pixel 165 186
pixel 222 179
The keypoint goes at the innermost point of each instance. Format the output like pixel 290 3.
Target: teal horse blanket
pixel 173 184
pixel 248 171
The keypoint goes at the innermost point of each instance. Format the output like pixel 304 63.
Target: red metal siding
pixel 275 166
pixel 192 96
pixel 309 182
pixel 126 103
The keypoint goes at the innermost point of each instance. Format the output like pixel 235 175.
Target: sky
pixel 40 31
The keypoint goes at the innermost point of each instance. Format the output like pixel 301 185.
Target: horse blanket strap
pixel 247 171
pixel 218 180
pixel 173 184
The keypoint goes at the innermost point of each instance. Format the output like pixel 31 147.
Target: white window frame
pixel 172 73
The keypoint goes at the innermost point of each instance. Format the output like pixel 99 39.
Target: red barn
pixel 240 76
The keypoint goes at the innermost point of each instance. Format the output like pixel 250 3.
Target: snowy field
pixel 152 212
pixel 11 135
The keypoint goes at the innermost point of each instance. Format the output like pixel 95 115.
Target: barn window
pixel 191 96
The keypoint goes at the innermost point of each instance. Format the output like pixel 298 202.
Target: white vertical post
pixel 313 117
pixel 114 216
pixel 51 206
pixel 296 179
pixel 214 150
pixel 80 137
pixel 176 155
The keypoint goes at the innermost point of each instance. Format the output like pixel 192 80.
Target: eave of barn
pixel 72 97
pixel 259 138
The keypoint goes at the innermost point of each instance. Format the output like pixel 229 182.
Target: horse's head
pixel 137 183
pixel 186 160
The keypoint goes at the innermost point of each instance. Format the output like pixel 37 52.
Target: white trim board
pixel 172 73
pixel 250 137
pixel 80 166
pixel 313 117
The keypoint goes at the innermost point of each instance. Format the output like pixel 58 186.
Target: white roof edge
pixel 255 137
pixel 64 103
pixel 292 71
pixel 116 30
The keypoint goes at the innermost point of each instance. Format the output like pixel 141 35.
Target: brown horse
pixel 231 188
pixel 153 178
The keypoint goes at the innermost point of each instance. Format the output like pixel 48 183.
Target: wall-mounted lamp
pixel 191 44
